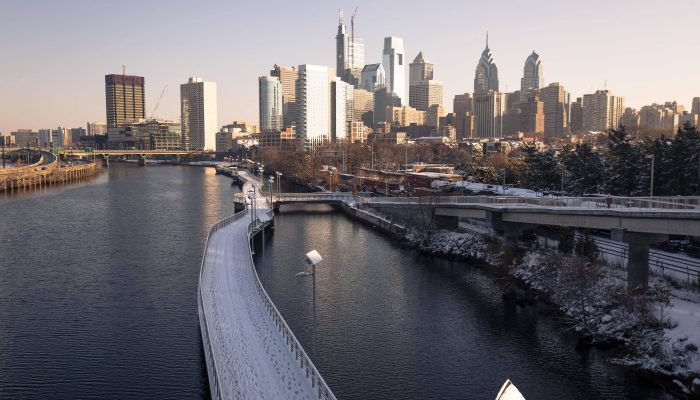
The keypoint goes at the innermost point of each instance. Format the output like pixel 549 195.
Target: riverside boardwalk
pixel 250 351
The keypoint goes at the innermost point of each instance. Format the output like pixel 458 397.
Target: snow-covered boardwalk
pixel 250 351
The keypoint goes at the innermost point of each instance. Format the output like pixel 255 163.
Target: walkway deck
pixel 251 352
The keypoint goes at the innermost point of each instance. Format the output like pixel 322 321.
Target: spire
pixel 340 16
pixel 487 39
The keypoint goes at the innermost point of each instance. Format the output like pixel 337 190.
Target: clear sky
pixel 54 53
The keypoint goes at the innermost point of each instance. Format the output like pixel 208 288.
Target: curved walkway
pixel 250 351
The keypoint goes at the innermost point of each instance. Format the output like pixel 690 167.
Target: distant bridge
pixel 638 221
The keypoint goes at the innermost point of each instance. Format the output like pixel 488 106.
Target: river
pixel 98 285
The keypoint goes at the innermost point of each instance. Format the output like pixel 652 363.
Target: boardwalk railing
pixel 664 203
pixel 311 197
pixel 212 370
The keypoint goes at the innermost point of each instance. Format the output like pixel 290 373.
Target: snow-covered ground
pixel 252 357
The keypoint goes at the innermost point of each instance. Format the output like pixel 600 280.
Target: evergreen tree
pixel 585 169
pixel 623 163
pixel 542 171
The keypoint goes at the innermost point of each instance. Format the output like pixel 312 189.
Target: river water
pixel 98 285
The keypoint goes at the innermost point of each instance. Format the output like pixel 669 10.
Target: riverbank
pixel 656 332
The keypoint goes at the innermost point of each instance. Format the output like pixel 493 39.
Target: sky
pixel 54 53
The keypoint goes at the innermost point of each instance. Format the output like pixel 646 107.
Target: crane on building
pixel 158 102
pixel 352 38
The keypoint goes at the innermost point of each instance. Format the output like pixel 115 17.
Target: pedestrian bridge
pixel 250 351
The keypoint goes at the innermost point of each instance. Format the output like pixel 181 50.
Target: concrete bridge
pixel 637 221
pixel 250 351
pixel 142 154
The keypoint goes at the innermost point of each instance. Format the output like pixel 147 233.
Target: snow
pixel 685 315
pixel 252 357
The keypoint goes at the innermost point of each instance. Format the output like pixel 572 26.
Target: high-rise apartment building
pixel 486 77
pixel 198 114
pixel 96 128
pixel 125 99
pixel 394 66
pixel 602 111
pixel 313 104
pixel 341 109
pixel 421 69
pixel 270 104
pixel 288 77
pixel 373 77
pixel 554 98
pixel 532 73
pixel 488 113
pixel 659 118
pixel 425 93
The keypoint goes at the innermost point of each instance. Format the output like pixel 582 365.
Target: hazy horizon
pixel 58 52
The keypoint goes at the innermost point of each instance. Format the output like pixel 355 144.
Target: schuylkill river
pixel 98 299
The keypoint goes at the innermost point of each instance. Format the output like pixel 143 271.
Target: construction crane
pixel 352 37
pixel 159 99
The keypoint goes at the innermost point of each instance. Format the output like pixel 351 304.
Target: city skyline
pixel 572 52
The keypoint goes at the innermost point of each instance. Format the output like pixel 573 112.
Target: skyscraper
pixel 350 52
pixel 555 109
pixel 695 109
pixel 420 69
pixel 341 109
pixel 577 116
pixel 270 104
pixel 373 77
pixel 463 106
pixel 532 73
pixel 486 77
pixel 125 99
pixel 602 111
pixel 532 117
pixel 288 78
pixel 198 113
pixel 313 105
pixel 393 62
pixel 423 91
pixel 488 112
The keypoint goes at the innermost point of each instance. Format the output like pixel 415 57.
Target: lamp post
pixel 651 190
pixel 251 196
pixel 503 171
pixel 271 179
pixel 330 180
pixel 313 258
pixel 278 181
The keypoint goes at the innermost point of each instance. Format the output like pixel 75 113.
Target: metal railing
pixel 318 196
pixel 616 203
pixel 212 370
pixel 317 381
pixel 659 260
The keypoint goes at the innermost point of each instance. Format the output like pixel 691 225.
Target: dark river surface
pixel 98 299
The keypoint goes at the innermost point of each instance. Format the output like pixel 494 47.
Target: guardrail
pixel 664 203
pixel 659 260
pixel 317 381
pixel 319 196
pixel 210 359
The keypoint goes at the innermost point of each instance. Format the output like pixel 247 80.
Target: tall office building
pixel 198 114
pixel 270 104
pixel 96 128
pixel 576 120
pixel 532 73
pixel 363 106
pixel 532 117
pixel 288 77
pixel 420 69
pixel 313 104
pixel 659 118
pixel 125 99
pixel 554 98
pixel 393 62
pixel 424 94
pixel 602 111
pixel 486 77
pixel 341 109
pixel 695 109
pixel 350 52
pixel 488 113
pixel 373 77
pixel 463 106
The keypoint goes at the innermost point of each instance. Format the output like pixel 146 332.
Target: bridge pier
pixel 105 160
pixel 142 160
pixel 446 221
pixel 638 254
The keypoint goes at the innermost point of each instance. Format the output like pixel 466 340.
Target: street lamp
pixel 330 180
pixel 271 179
pixel 652 174
pixel 278 181
pixel 251 196
pixel 503 170
pixel 313 258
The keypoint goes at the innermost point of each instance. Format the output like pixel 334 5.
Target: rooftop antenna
pixel 487 39
pixel 605 85
pixel 340 16
pixel 123 70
